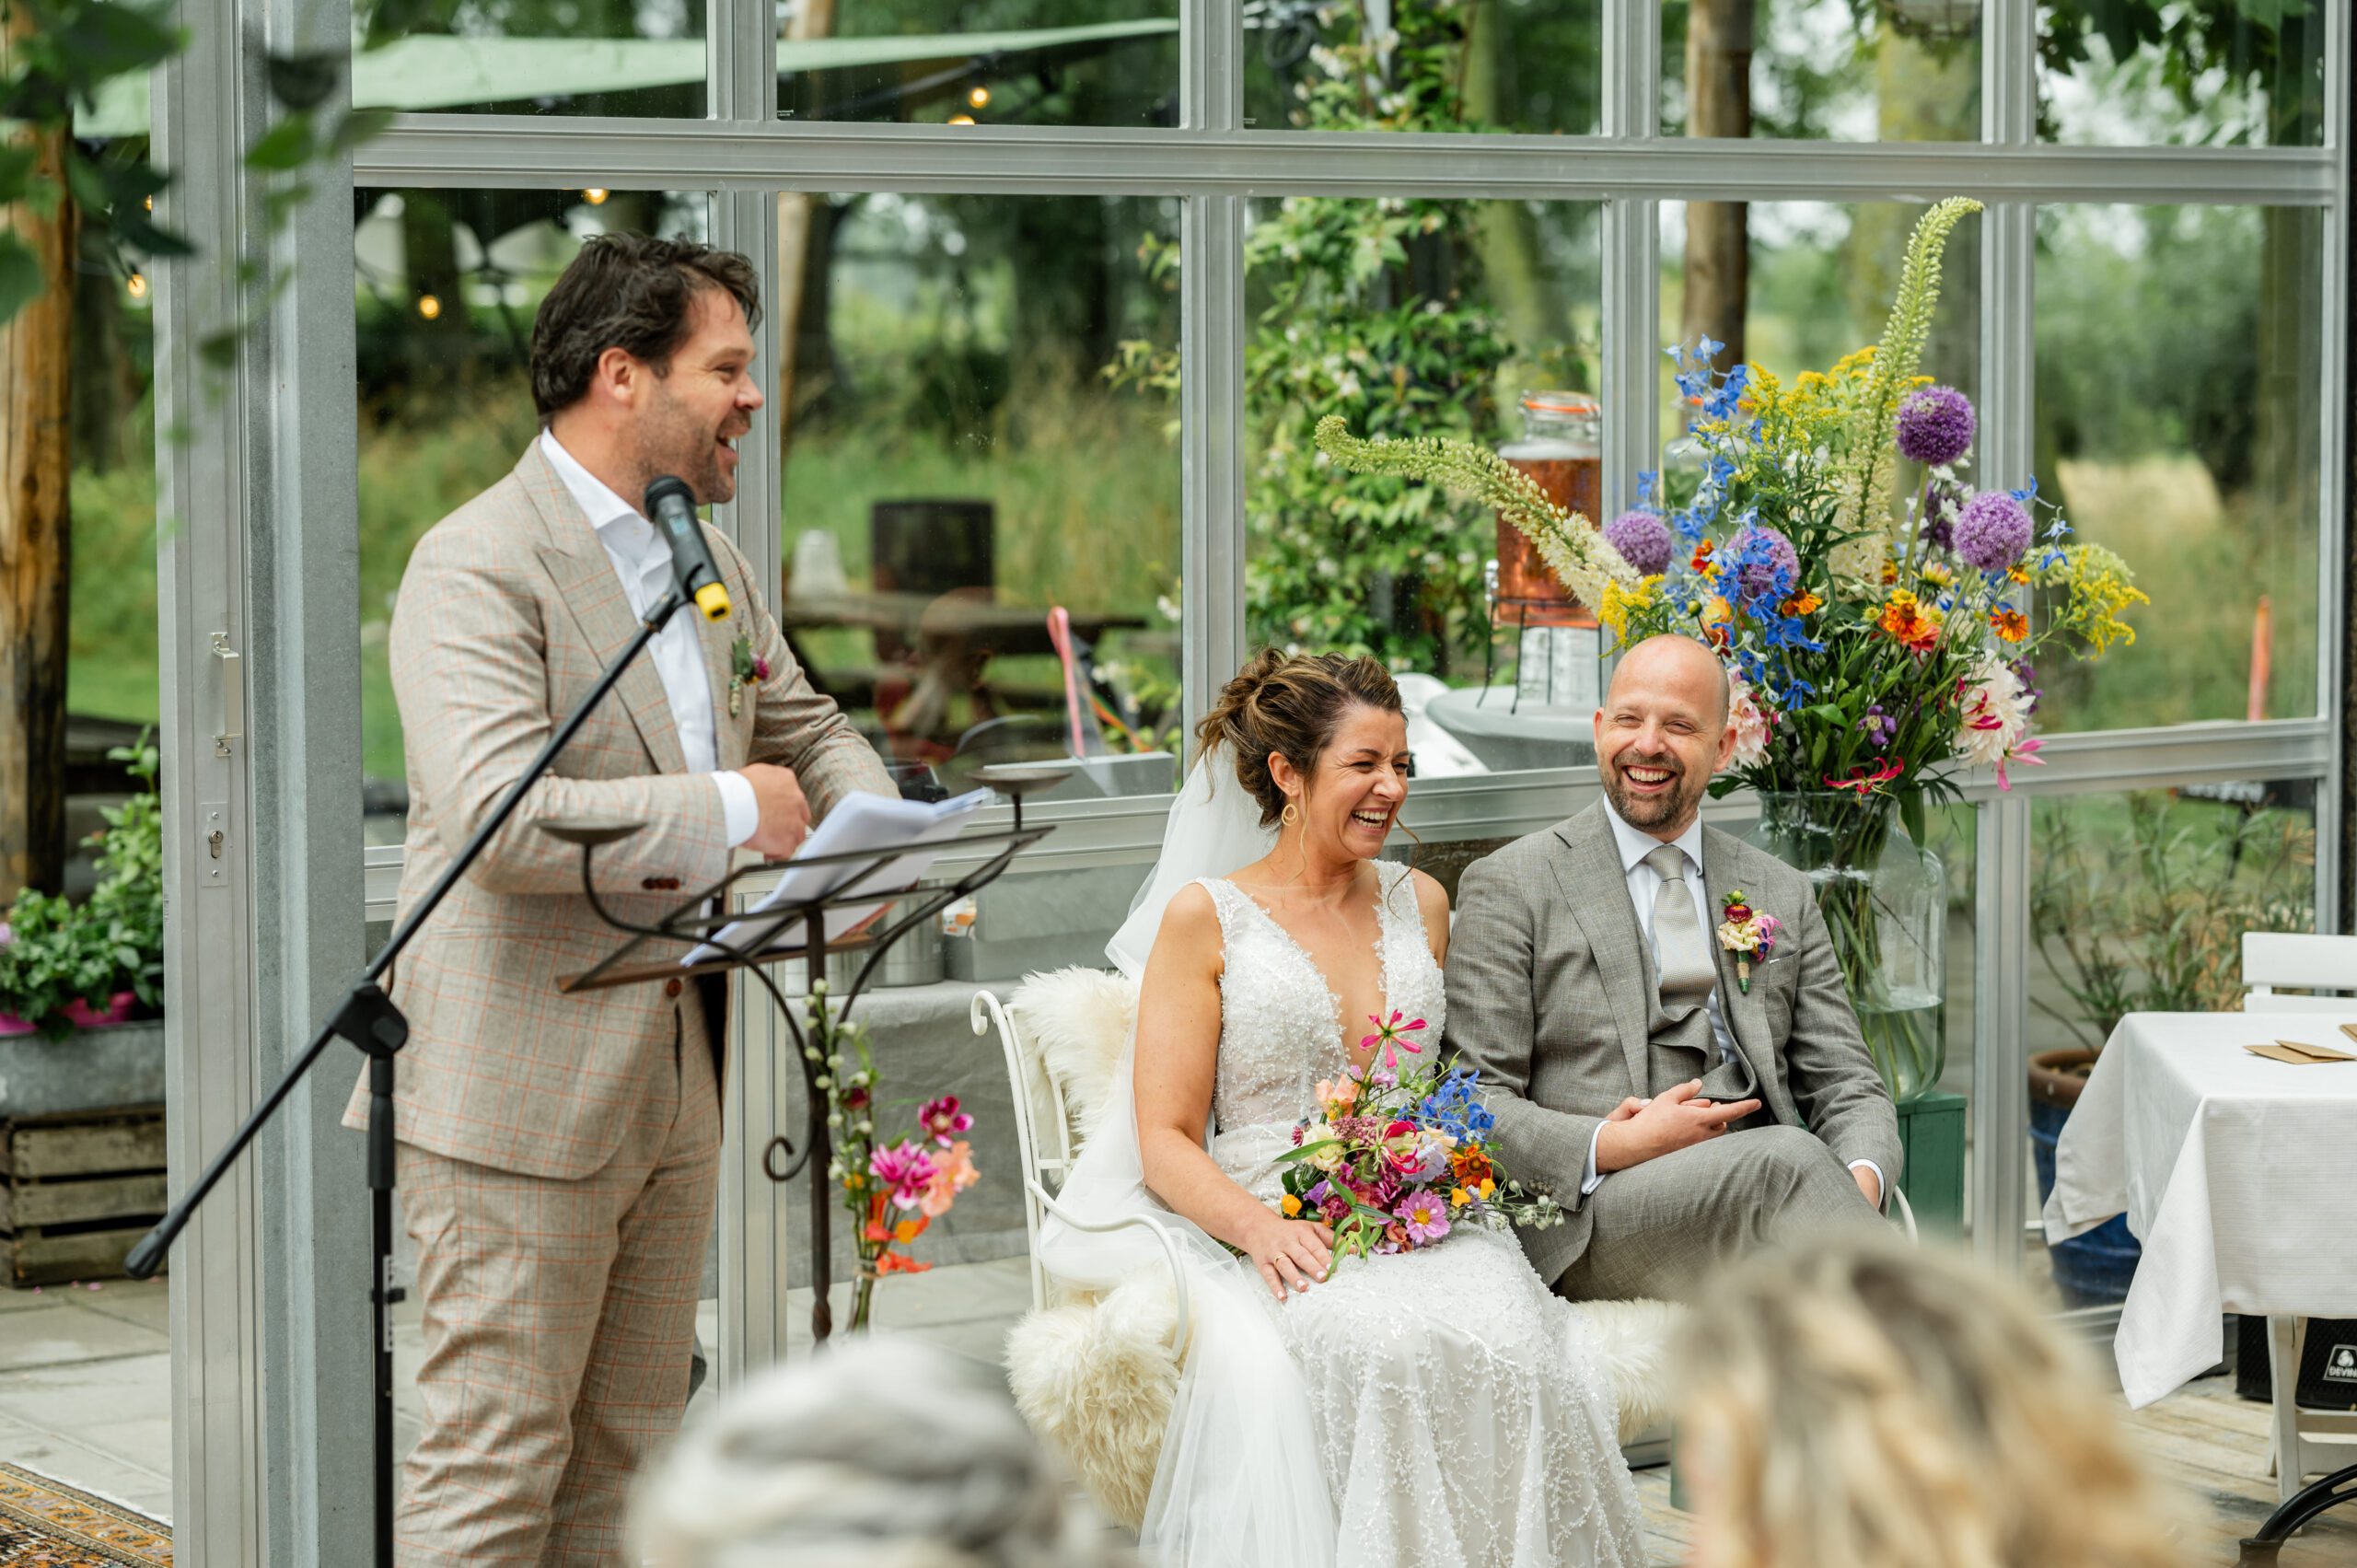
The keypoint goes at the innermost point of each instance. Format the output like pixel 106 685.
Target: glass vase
pixel 1883 897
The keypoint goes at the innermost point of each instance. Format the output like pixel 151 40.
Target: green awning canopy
pixel 439 72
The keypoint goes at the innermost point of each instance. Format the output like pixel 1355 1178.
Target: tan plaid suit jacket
pixel 508 611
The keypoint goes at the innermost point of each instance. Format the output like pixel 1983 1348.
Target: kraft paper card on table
pixel 2299 1053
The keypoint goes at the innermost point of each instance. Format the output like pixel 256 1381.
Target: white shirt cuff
pixel 1592 1178
pixel 1882 1183
pixel 741 810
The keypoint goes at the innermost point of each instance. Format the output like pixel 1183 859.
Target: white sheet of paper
pixel 858 822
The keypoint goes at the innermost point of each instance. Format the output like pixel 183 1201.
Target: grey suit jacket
pixel 1548 982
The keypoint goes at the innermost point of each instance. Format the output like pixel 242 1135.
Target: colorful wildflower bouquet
pixel 1872 642
pixel 1393 1160
pixel 894 1187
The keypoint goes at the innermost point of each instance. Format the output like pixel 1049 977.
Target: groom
pixel 1678 1116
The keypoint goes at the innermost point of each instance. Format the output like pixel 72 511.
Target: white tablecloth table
pixel 2237 1173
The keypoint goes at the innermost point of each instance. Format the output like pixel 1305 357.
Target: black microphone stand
pixel 367 1018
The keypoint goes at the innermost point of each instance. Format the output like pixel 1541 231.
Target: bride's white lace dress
pixel 1460 1414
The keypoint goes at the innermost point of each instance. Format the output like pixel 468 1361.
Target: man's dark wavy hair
pixel 630 292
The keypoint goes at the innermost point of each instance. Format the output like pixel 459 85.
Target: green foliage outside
pixel 2138 904
pixel 59 952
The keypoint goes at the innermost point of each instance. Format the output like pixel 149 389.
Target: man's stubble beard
pixel 1650 814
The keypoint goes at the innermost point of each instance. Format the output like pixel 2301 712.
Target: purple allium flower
pixel 1993 530
pixel 1935 425
pixel 1642 540
pixel 1765 553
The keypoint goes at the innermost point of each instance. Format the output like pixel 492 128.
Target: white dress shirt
pixel 1644 886
pixel 643 561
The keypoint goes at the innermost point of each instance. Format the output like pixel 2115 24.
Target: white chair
pixel 1094 1375
pixel 2318 1440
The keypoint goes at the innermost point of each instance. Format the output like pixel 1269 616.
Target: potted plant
pixel 2149 920
pixel 81 985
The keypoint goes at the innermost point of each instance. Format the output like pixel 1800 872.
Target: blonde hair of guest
pixel 1861 1404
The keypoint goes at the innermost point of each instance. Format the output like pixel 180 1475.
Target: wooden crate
pixel 77 1191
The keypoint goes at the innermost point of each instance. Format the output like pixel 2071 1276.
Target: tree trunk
pixel 36 383
pixel 1718 239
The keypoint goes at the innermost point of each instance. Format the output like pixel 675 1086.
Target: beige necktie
pixel 1683 958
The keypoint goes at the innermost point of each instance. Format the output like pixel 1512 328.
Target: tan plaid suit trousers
pixel 558 1154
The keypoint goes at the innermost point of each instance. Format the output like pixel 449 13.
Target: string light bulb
pixel 595 196
pixel 980 97
pixel 136 285
pixel 430 306
pixel 961 120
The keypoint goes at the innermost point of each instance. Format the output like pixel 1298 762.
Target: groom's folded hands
pixel 1641 1130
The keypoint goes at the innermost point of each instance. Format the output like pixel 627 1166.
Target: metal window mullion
pixel 200 123
pixel 1212 434
pixel 2009 72
pixel 740 55
pixel 753 1245
pixel 1211 65
pixel 2000 1129
pixel 1631 55
pixel 2333 673
pixel 539 152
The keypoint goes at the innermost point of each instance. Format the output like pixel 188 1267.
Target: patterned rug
pixel 44 1524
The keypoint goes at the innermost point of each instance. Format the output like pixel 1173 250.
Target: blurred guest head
pixel 878 1453
pixel 1862 1404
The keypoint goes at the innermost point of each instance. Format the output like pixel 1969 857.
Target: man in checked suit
pixel 559 1155
pixel 1677 1116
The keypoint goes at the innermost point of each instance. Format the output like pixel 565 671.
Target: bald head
pixel 1663 731
pixel 1675 663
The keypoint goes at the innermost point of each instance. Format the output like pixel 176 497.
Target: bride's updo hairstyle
pixel 1290 705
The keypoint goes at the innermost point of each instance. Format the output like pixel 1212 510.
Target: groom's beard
pixel 1649 811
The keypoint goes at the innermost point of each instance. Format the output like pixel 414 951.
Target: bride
pixel 1433 1409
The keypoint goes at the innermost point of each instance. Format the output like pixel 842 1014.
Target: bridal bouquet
pixel 895 1185
pixel 1394 1159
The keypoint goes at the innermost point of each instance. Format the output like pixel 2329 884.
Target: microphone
pixel 672 506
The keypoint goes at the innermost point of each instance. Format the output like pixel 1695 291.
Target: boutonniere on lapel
pixel 746 668
pixel 1748 935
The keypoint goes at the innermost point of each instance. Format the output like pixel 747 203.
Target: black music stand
pixel 695 922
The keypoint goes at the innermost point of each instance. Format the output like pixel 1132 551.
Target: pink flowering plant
pixel 1397 1155
pixel 895 1184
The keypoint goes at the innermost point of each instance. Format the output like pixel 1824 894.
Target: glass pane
pixel 448 282
pixel 981 479
pixel 995 62
pixel 626 57
pixel 1410 319
pixel 2178 374
pixel 2138 904
pixel 2201 75
pixel 1528 65
pixel 1795 285
pixel 1900 71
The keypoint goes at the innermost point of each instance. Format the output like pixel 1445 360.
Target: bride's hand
pixel 1292 1255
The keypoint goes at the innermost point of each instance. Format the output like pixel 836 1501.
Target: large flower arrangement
pixel 1872 642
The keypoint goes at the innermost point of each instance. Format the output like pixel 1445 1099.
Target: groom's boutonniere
pixel 747 668
pixel 1747 934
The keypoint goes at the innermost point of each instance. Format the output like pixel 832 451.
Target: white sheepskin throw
pixel 1632 1340
pixel 1096 1380
pixel 1078 1022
